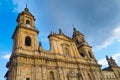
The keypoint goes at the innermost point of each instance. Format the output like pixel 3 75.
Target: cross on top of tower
pixel 26 9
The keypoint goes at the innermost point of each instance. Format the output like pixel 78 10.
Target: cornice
pixel 17 27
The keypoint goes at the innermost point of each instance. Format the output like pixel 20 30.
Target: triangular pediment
pixel 62 37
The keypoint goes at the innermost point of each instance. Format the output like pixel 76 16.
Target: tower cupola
pixel 25 18
pixel 25 34
pixel 78 37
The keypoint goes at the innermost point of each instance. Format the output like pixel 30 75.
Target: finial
pixel 74 28
pixel 106 57
pixel 111 58
pixel 73 25
pixel 26 9
pixel 26 5
pixel 51 32
pixel 60 31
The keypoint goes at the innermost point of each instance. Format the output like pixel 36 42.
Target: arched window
pixel 27 41
pixel 90 54
pixel 52 75
pixel 77 42
pixel 82 54
pixel 27 78
pixel 27 22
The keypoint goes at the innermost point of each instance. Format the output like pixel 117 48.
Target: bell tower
pixel 83 47
pixel 25 35
pixel 26 18
pixel 25 46
pixel 86 53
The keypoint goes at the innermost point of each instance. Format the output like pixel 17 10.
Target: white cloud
pixel 6 56
pixel 116 57
pixel 119 40
pixel 103 62
pixel 114 36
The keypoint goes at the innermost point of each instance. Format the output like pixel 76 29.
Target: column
pixel 44 72
pixel 64 74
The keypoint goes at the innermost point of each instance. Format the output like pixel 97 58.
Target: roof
pixel 60 35
pixel 26 11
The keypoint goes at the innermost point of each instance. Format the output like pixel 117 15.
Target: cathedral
pixel 69 58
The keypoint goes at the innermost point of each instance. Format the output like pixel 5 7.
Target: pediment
pixel 63 37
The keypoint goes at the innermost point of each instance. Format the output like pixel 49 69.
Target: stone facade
pixel 67 59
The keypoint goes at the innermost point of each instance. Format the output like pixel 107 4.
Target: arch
pixel 52 75
pixel 82 54
pixel 27 21
pixel 28 41
pixel 77 42
pixel 27 78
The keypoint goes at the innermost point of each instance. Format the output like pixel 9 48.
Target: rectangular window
pixel 27 78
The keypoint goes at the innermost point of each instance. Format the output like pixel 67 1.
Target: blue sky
pixel 98 20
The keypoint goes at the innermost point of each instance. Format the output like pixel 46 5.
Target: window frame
pixel 52 77
pixel 28 41
pixel 27 21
